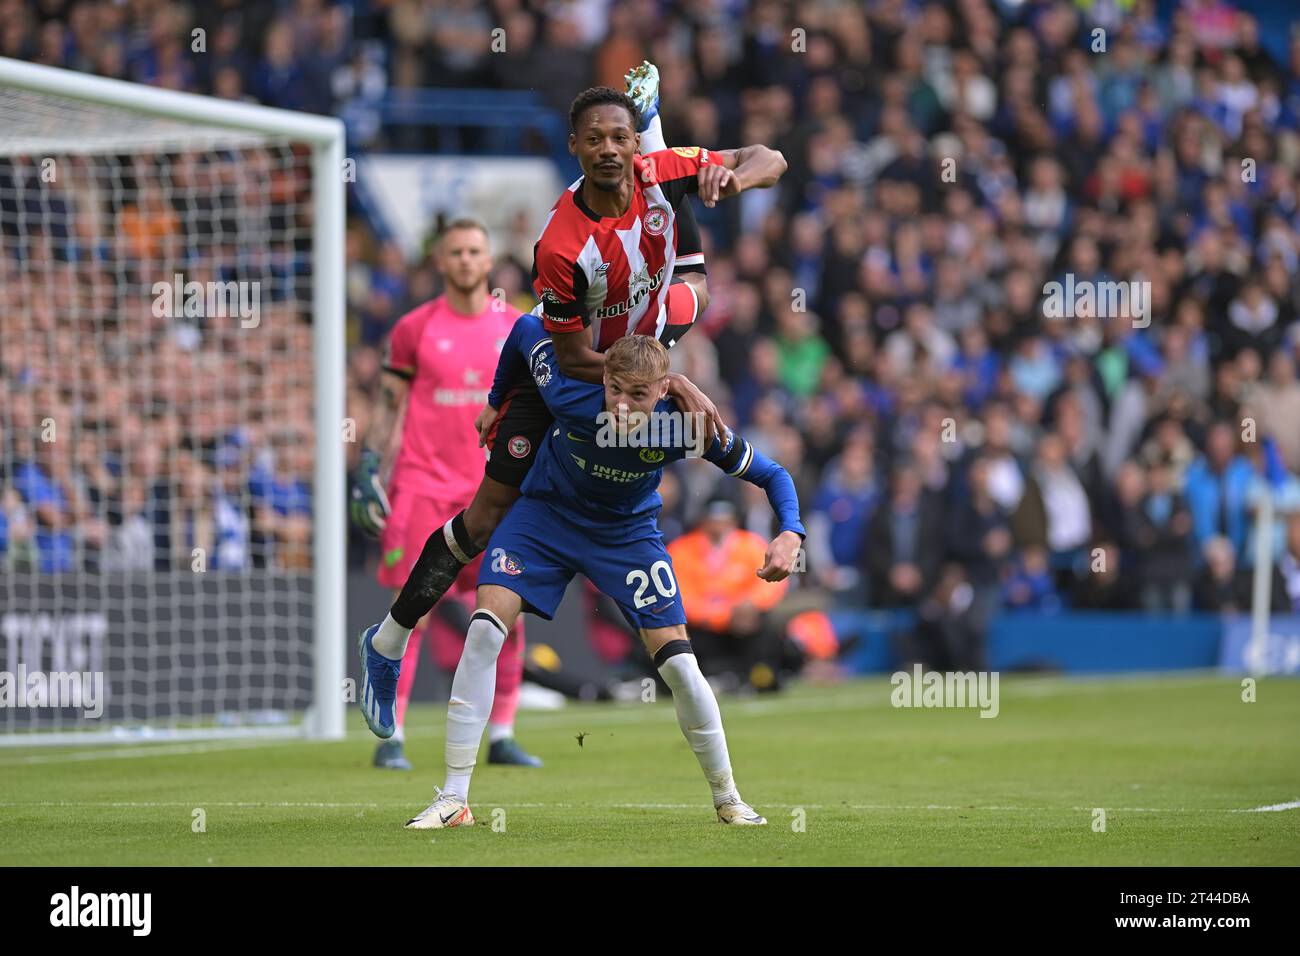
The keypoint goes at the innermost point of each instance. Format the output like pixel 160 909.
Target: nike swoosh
pixel 451 816
pixel 662 607
pixel 393 556
pixel 573 437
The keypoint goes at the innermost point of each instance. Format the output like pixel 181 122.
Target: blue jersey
pixel 589 506
pixel 512 365
pixel 580 470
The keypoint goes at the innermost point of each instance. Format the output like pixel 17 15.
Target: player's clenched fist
pixel 717 182
pixel 779 560
pixel 369 505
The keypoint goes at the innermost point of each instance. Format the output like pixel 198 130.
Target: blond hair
pixel 464 222
pixel 641 357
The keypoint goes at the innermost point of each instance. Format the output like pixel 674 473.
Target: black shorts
pixel 517 433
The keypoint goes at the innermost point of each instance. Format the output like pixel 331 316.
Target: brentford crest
pixel 655 220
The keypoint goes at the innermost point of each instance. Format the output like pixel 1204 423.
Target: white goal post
pixel 148 186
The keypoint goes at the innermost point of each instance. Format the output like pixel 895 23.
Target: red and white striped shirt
pixel 612 273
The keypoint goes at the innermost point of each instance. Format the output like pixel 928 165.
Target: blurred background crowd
pixel 135 436
pixel 877 321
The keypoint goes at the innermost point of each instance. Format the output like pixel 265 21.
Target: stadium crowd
pixel 878 321
pixel 135 435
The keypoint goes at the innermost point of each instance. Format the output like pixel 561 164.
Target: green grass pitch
pixel 1178 764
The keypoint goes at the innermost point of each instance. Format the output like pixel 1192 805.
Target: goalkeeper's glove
pixel 369 506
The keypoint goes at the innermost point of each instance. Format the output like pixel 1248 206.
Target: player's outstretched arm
pixel 739 459
pixel 749 167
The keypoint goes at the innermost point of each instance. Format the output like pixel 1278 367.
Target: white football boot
pixel 741 814
pixel 445 812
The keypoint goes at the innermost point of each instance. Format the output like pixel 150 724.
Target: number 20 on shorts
pixel 662 575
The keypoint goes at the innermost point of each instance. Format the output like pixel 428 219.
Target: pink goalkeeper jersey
pixel 449 360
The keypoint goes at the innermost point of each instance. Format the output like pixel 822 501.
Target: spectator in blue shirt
pixel 49 503
pixel 1217 487
pixel 281 502
pixel 1029 585
pixel 841 510
pixel 978 366
pixel 279 79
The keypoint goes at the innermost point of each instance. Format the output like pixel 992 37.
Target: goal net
pixel 171 379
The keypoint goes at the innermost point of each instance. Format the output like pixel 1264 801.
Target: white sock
pixel 701 723
pixel 472 690
pixel 390 639
pixel 652 138
pixel 500 732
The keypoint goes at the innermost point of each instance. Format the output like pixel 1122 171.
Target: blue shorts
pixel 536 551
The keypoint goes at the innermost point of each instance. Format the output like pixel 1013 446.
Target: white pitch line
pixel 401 805
pixel 1274 808
pixel 111 752
pixel 156 804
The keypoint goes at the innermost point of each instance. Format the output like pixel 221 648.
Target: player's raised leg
pixel 390 754
pixel 379 674
pixel 513 440
pixel 444 556
pixel 699 718
pixel 470 704
pixel 382 646
pixel 643 87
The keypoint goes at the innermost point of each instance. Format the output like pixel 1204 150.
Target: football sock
pixel 447 551
pixel 510 675
pixel 500 732
pixel 410 665
pixel 652 137
pixel 471 698
pixel 390 640
pixel 698 717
